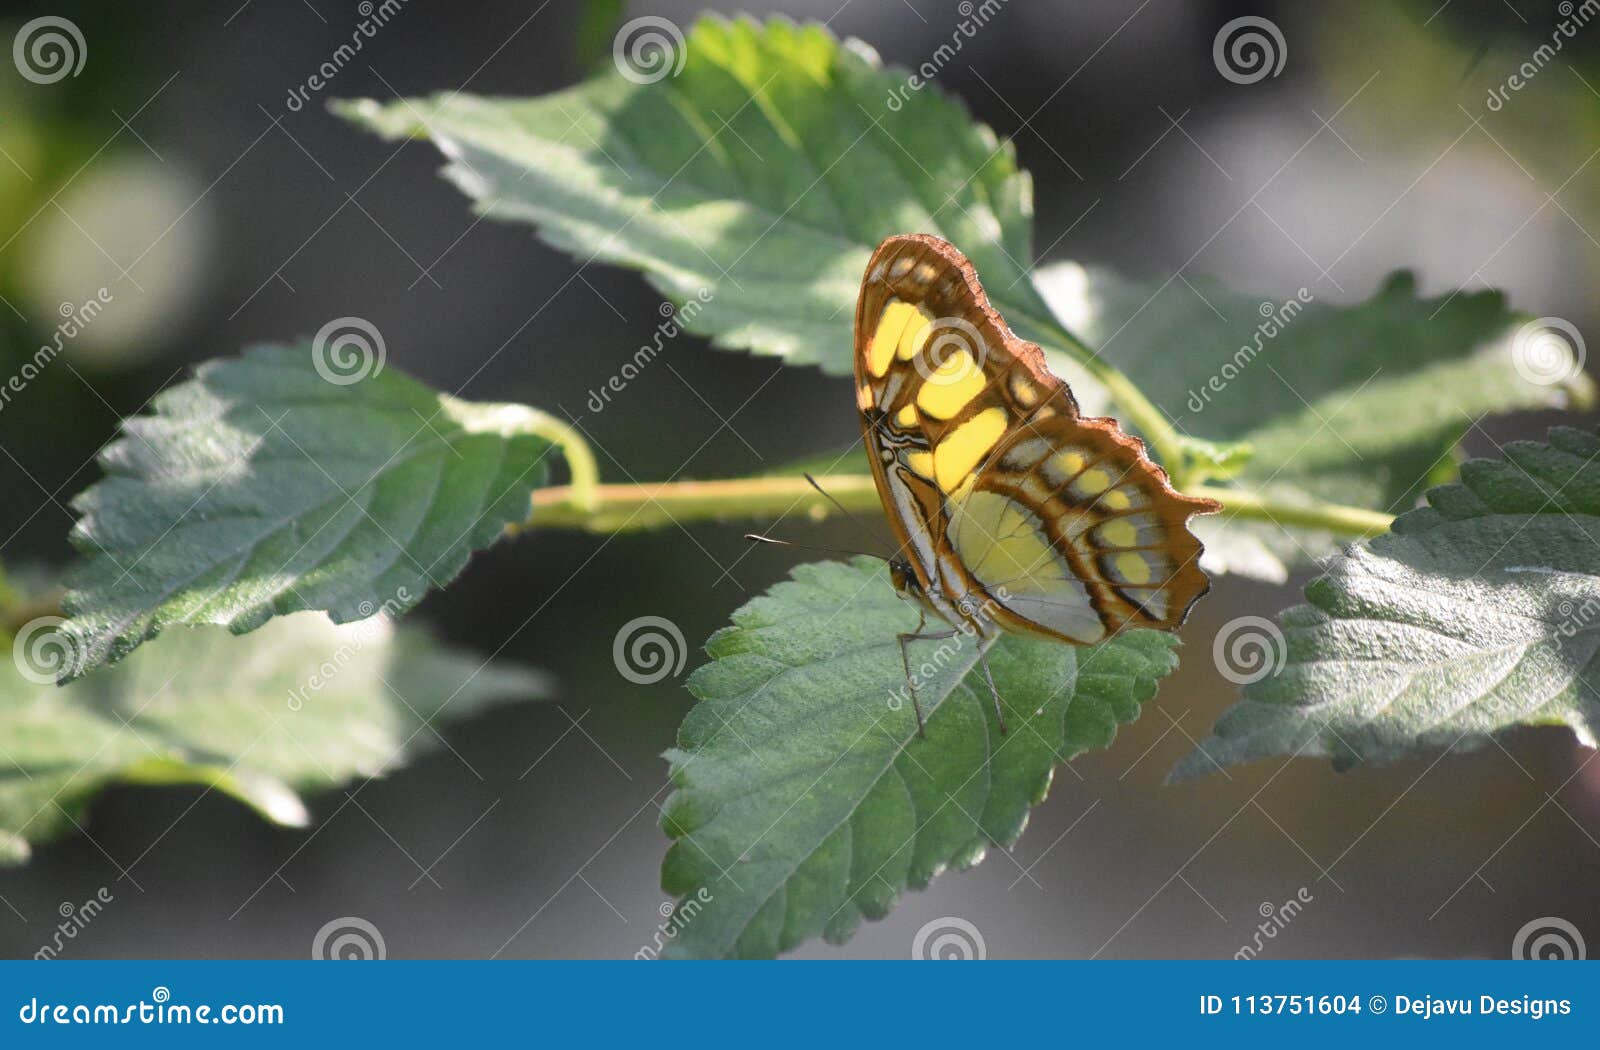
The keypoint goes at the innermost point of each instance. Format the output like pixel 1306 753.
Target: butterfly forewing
pixel 1005 498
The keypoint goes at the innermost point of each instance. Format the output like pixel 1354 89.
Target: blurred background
pixel 171 173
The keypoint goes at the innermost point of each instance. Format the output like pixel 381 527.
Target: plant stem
pixel 628 508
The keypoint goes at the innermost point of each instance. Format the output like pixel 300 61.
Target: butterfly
pixel 1014 511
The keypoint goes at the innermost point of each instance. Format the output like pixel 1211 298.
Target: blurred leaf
pixel 1480 612
pixel 300 706
pixel 1348 404
pixel 804 799
pixel 260 487
pixel 597 27
pixel 750 187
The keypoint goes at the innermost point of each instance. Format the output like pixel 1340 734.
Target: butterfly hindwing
pixel 1002 493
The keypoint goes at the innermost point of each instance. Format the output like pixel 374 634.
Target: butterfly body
pixel 1014 511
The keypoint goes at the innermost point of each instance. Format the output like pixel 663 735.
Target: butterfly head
pixel 906 584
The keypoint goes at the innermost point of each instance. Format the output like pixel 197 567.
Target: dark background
pixel 274 228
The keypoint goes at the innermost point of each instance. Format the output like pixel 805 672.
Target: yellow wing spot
pixel 1094 481
pixel 921 463
pixel 901 267
pixel 1023 390
pixel 891 328
pixel 1063 466
pixel 906 417
pixel 951 386
pixel 965 446
pixel 926 272
pixel 1120 533
pixel 915 335
pixel 1116 499
pixel 864 396
pixel 1133 568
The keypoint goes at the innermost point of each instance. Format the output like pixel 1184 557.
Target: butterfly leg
pixel 989 677
pixel 905 660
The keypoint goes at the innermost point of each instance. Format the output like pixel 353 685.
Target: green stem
pixel 582 491
pixel 628 508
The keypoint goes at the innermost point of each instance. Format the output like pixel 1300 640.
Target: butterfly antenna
pixel 754 537
pixel 848 516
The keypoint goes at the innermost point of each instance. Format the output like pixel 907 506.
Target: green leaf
pixel 1480 612
pixel 300 706
pixel 1347 404
pixel 804 800
pixel 261 487
pixel 751 186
